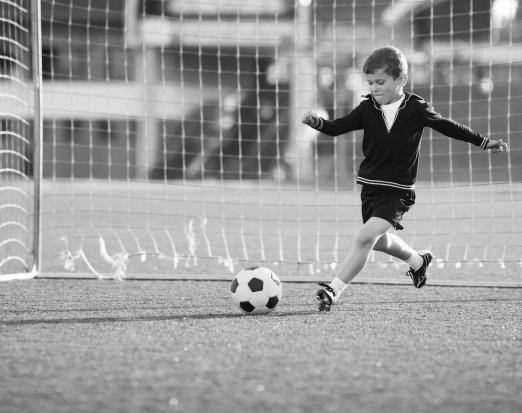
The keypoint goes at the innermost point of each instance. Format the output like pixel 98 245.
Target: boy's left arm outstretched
pixel 461 132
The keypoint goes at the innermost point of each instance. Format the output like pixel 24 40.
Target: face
pixel 384 88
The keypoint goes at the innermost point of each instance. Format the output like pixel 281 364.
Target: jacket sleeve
pixel 451 128
pixel 352 121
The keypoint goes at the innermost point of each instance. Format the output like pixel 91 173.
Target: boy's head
pixel 390 59
pixel 386 71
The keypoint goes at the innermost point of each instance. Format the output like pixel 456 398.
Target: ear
pixel 403 79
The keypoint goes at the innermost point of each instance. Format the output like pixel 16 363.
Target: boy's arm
pixel 453 129
pixel 348 123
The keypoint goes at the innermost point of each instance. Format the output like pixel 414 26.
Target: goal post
pixel 20 110
pixel 36 41
pixel 163 138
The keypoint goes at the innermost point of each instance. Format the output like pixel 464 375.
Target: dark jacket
pixel 391 157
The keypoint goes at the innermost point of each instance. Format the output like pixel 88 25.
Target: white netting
pixel 16 194
pixel 172 141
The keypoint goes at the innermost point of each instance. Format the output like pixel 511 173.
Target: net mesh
pixel 16 193
pixel 172 143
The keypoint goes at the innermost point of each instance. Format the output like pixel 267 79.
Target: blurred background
pixel 204 98
pixel 170 89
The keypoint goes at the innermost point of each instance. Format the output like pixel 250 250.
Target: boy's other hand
pixel 311 119
pixel 497 146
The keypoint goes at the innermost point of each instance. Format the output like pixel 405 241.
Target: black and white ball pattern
pixel 256 290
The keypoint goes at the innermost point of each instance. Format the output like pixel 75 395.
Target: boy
pixel 392 121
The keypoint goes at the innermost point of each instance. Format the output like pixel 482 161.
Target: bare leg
pixel 393 245
pixel 365 240
pixel 374 235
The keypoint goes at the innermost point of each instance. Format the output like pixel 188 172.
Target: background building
pixel 171 89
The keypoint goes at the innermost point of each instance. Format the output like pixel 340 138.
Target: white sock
pixel 338 285
pixel 415 261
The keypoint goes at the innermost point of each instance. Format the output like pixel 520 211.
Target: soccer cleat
pixel 419 277
pixel 325 297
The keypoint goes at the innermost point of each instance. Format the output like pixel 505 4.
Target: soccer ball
pixel 256 290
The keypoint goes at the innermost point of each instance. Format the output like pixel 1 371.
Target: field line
pixel 290 279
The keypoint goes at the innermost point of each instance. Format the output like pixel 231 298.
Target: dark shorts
pixel 386 203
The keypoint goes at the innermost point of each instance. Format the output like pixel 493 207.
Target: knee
pixel 364 239
pixel 382 244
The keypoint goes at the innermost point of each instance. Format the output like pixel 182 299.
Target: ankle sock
pixel 338 285
pixel 415 261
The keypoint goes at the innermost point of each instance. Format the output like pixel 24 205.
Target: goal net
pixel 16 131
pixel 171 143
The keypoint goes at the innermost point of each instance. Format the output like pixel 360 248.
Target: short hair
pixel 390 59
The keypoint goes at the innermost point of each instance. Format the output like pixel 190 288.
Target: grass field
pixel 181 346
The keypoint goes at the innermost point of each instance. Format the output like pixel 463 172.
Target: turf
pixel 181 346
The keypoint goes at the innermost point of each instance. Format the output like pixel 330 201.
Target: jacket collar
pixel 407 96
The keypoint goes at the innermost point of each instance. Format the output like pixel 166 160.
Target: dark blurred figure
pixel 243 136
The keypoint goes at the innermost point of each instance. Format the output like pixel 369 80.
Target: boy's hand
pixel 311 119
pixel 497 146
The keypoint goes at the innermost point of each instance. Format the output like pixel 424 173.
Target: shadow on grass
pixel 178 317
